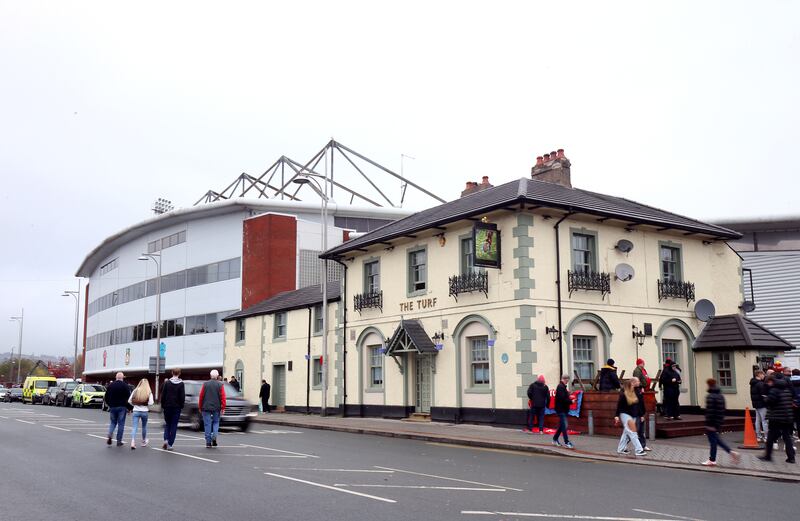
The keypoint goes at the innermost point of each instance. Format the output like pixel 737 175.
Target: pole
pixel 19 358
pixel 158 322
pixel 324 219
pixel 76 296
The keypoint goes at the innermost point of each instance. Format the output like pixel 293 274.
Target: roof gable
pixel 410 336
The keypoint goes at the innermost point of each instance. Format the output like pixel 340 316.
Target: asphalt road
pixel 56 465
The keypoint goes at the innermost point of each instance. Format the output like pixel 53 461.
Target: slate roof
pixel 289 300
pixel 414 331
pixel 727 332
pixel 536 193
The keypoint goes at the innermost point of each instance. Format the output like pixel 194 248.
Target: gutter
pixel 558 295
pixel 343 300
pixel 308 365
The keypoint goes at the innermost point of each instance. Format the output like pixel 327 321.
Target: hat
pixel 610 362
pixel 639 361
pixel 668 361
pixel 540 378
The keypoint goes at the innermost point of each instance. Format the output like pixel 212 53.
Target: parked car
pixel 64 396
pixel 3 391
pixel 88 395
pixel 238 411
pixel 49 398
pixel 13 395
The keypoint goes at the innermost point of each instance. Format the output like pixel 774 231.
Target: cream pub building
pixel 429 322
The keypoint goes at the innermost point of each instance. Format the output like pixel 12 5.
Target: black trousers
pixel 265 404
pixel 672 407
pixel 779 430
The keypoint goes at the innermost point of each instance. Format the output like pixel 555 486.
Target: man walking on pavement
pixel 562 405
pixel 757 391
pixel 780 416
pixel 264 395
pixel 173 397
pixel 117 394
pixel 212 404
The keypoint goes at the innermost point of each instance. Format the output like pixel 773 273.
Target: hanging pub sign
pixel 486 244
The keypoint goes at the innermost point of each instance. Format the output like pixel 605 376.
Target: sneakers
pixel 120 444
pixel 164 446
pixel 764 458
pixel 736 457
pixel 208 445
pixel 169 448
pixel 526 430
pixel 213 442
pixel 709 463
pixel 648 449
pixel 133 445
pixel 790 460
pixel 569 445
pixel 108 441
pixel 624 451
pixel 556 443
pixel 145 442
pixel 641 453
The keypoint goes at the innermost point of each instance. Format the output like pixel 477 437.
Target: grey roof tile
pixel 288 300
pixel 727 332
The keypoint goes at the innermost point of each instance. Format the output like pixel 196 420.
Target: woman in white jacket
pixel 141 398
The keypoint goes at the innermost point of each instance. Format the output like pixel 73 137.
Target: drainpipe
pixel 343 303
pixel 558 298
pixel 308 365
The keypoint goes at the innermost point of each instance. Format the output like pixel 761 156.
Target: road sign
pixel 161 363
pixel 162 350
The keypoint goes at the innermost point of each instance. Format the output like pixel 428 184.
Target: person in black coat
pixel 117 394
pixel 173 398
pixel 539 395
pixel 757 391
pixel 780 416
pixel 562 405
pixel 670 382
pixel 263 393
pixel 609 381
pixel 715 416
pixel 235 384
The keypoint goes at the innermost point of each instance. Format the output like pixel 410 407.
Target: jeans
pixel 139 415
pixel 562 427
pixel 714 439
pixel 117 415
pixel 627 434
pixel 211 425
pixel 538 412
pixel 761 422
pixel 640 430
pixel 780 430
pixel 171 417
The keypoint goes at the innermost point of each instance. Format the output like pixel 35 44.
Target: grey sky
pixel 692 107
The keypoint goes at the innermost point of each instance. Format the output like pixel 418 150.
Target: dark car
pixel 64 396
pixel 238 411
pixel 13 395
pixel 49 398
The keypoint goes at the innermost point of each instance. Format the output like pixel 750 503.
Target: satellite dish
pixel 624 272
pixel 624 245
pixel 748 306
pixel 704 310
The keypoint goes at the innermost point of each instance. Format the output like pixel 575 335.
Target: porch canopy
pixel 727 332
pixel 410 337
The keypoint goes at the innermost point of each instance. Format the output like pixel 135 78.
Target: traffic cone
pixel 750 441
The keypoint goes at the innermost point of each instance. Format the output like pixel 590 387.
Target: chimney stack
pixel 553 168
pixel 473 187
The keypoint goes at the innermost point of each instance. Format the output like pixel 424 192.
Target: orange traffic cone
pixel 750 441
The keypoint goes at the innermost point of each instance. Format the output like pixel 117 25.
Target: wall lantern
pixel 555 335
pixel 438 340
pixel 638 336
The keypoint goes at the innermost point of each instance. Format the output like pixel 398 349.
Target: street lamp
pixel 21 320
pixel 305 179
pixel 75 294
pixel 156 257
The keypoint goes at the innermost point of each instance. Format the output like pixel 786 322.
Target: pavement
pixel 56 465
pixel 679 453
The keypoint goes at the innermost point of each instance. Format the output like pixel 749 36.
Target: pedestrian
pixel 235 384
pixel 117 394
pixel 141 399
pixel 779 416
pixel 794 381
pixel 641 373
pixel 538 396
pixel 263 393
pixel 609 381
pixel 173 398
pixel 212 404
pixel 757 391
pixel 626 414
pixel 670 382
pixel 562 405
pixel 641 419
pixel 715 415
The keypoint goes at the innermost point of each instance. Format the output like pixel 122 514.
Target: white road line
pixel 4 417
pixel 336 470
pixel 190 437
pixel 96 436
pixel 470 489
pixel 263 455
pixel 449 479
pixel 184 455
pixel 57 428
pixel 555 516
pixel 25 421
pixel 667 515
pixel 276 432
pixel 80 420
pixel 283 451
pixel 353 492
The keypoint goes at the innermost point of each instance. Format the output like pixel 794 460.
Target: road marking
pixel 663 514
pixel 4 417
pixel 25 421
pixel 184 455
pixel 80 420
pixel 471 489
pixel 353 492
pixel 449 479
pixel 96 436
pixel 283 451
pixel 276 432
pixel 264 456
pixel 336 470
pixel 190 437
pixel 57 428
pixel 554 516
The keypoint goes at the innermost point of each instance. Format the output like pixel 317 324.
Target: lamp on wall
pixel 638 336
pixel 555 334
pixel 438 340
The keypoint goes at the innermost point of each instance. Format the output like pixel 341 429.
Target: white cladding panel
pixel 776 281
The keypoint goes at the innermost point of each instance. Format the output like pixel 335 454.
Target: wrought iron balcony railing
pixel 675 289
pixel 469 282
pixel 368 300
pixel 590 281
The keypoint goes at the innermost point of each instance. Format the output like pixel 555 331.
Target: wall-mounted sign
pixel 504 358
pixel 162 350
pixel 490 342
pixel 419 304
pixel 486 244
pixel 127 356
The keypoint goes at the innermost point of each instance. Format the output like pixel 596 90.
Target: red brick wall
pixel 269 250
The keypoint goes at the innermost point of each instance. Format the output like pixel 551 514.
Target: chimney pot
pixel 553 155
pixel 485 180
pixel 560 153
pixel 546 158
pixel 468 185
pixel 539 160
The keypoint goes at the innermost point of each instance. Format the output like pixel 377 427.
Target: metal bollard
pixel 652 426
pixel 591 423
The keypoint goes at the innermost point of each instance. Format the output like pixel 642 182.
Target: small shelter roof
pixel 726 332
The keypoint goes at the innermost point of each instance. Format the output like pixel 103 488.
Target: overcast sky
pixel 691 107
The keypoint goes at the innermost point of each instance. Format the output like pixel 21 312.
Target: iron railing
pixel 590 281
pixel 675 289
pixel 368 300
pixel 469 282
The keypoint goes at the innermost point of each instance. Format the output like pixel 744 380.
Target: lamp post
pixel 21 320
pixel 303 179
pixel 75 294
pixel 156 257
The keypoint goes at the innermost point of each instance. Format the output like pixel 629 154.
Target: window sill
pixel 279 339
pixel 374 390
pixel 239 343
pixel 478 390
pixel 316 333
pixel 316 387
pixel 727 390
pixel 417 293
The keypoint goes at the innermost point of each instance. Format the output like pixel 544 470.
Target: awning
pixel 410 337
pixel 737 332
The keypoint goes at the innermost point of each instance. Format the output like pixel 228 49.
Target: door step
pixel 418 417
